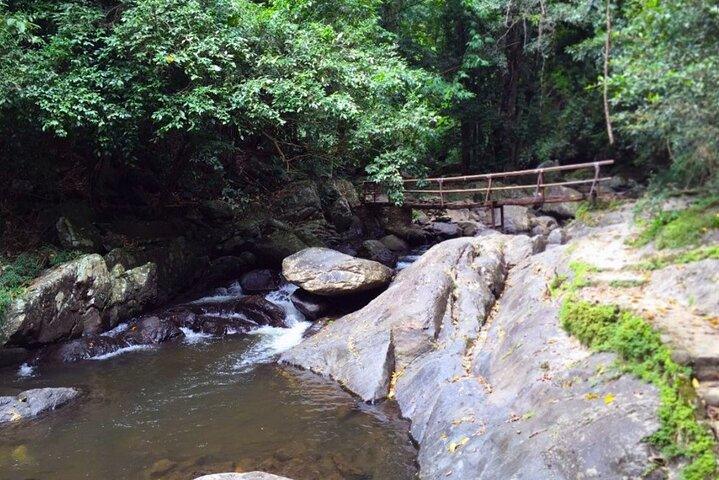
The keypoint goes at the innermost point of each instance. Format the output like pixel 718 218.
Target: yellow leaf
pixel 608 399
pixel 455 445
pixel 591 396
pixel 170 58
pixel 695 383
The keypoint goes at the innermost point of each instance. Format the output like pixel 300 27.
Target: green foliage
pixel 641 352
pixel 679 228
pixel 177 86
pixel 15 275
pixel 694 255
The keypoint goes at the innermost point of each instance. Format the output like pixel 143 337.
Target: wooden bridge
pixel 491 191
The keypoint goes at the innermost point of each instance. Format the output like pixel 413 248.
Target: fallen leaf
pixel 608 399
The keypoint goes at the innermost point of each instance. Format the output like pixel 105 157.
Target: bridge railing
pixel 373 194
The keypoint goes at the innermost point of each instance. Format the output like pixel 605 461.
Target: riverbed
pixel 203 405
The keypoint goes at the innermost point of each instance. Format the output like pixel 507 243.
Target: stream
pixel 204 405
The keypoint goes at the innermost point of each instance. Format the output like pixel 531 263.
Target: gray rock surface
pixel 77 297
pixel 494 388
pixel 378 252
pixel 395 243
pixel 517 219
pixel 324 271
pixel 242 476
pixel 32 403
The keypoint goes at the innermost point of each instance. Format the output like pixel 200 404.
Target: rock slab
pixel 476 359
pixel 242 476
pixel 324 271
pixel 32 403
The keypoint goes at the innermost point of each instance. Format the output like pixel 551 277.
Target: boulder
pixel 278 245
pixel 444 230
pixel 151 331
pixel 544 224
pixel 32 403
pixel 377 251
pixel 556 237
pixel 394 243
pixel 327 272
pixel 59 304
pixel 298 202
pixel 517 219
pixel 562 210
pixel 79 349
pixel 260 281
pixel 221 325
pixel 130 292
pixel 398 221
pixel 242 476
pixel 77 235
pixel 261 311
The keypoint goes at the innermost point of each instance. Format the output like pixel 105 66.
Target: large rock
pixel 151 331
pixel 517 219
pixel 59 304
pixel 75 298
pixel 242 476
pixel 260 281
pixel 398 221
pixel 377 251
pixel 394 243
pixel 328 272
pixel 514 397
pixel 130 292
pixel 278 245
pixel 562 209
pixel 32 403
pixel 77 235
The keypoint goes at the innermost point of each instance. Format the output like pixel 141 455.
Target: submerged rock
pixel 328 272
pixel 242 476
pixel 79 349
pixel 31 403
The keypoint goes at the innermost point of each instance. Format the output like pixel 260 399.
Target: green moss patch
pixel 679 228
pixel 689 256
pixel 641 352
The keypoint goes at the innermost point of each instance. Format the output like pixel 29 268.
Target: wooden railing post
pixel 489 190
pixel 441 194
pixel 539 192
pixel 593 189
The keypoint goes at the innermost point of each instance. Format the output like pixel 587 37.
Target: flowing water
pixel 204 405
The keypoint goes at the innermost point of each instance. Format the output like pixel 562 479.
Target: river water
pixel 204 405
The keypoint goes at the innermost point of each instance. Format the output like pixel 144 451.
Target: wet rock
pixel 394 243
pixel 299 201
pixel 377 251
pixel 180 316
pixel 220 326
pixel 260 281
pixel 151 330
pixel 261 311
pixel 470 229
pixel 161 468
pixel 32 403
pixel 242 476
pixel 79 349
pixel 327 272
pixel 121 256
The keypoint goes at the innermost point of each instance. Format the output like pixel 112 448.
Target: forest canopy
pixel 179 99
